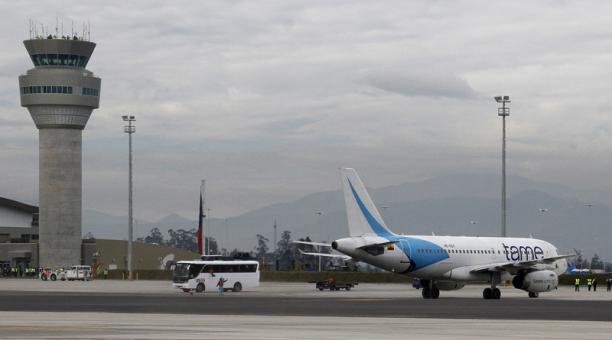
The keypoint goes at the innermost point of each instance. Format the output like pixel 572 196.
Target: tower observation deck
pixel 60 95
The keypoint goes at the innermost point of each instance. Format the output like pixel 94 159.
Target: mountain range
pixel 450 205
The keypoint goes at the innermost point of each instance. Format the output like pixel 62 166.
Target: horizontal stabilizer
pixel 339 256
pixel 313 243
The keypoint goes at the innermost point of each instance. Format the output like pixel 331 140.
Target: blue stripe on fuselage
pixel 376 227
pixel 424 253
pixel 420 252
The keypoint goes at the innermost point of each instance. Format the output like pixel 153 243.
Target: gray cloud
pixel 420 83
pixel 266 99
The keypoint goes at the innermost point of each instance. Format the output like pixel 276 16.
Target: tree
pixel 596 262
pixel 262 246
pixel 285 251
pixel 184 239
pixel 155 236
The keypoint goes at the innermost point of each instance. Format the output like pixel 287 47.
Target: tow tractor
pixel 331 284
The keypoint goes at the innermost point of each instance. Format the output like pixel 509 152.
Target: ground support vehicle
pixel 80 273
pixel 322 285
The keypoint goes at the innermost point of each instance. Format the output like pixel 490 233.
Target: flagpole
pixel 201 219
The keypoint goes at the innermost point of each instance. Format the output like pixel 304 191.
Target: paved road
pixel 453 308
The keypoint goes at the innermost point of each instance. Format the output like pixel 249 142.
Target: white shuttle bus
pixel 201 275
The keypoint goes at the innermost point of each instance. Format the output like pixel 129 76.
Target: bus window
pixel 194 270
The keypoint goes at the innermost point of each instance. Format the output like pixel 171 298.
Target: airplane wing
pixel 313 243
pixel 344 257
pixel 514 266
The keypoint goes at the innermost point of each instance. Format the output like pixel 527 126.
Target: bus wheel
pixel 200 288
pixel 237 287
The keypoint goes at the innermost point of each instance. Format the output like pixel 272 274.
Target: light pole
pixel 319 213
pixel 130 129
pixel 503 112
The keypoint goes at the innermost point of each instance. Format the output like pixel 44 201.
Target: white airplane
pixel 444 262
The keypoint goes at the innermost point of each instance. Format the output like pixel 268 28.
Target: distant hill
pixel 452 205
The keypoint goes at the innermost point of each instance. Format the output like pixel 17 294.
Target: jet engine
pixel 536 281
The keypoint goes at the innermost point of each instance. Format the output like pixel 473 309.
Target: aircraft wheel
pixel 533 295
pixel 426 293
pixel 496 294
pixel 200 288
pixel 435 293
pixel 487 293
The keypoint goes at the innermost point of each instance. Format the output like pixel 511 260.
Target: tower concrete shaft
pixel 60 95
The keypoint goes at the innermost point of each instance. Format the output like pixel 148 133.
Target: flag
pixel 201 215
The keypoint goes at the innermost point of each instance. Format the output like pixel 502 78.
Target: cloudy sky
pixel 265 99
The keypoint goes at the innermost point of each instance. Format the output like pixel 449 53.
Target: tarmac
pixel 32 308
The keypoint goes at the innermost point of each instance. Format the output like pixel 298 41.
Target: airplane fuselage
pixel 448 257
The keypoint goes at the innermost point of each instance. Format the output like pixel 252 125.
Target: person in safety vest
pixel 577 285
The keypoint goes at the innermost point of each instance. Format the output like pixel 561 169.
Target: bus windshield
pixel 189 270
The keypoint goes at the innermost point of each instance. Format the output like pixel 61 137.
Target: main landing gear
pixel 492 293
pixel 533 295
pixel 429 291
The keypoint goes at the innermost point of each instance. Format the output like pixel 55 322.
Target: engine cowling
pixel 449 285
pixel 537 281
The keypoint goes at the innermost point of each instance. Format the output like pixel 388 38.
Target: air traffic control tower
pixel 60 95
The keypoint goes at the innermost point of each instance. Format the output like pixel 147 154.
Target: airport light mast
pixel 130 129
pixel 503 112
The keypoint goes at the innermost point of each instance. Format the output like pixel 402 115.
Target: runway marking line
pixel 365 299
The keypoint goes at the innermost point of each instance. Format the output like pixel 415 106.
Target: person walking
pixel 220 284
pixel 577 284
pixel 609 284
pixel 589 283
pixel 595 284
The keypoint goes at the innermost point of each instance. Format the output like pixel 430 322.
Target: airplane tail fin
pixel 362 215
